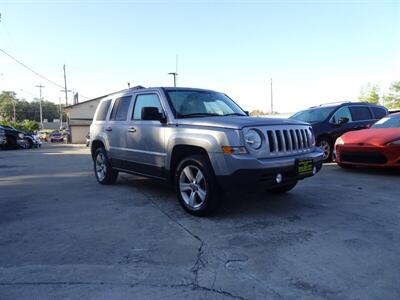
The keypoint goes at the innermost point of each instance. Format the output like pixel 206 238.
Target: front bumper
pixel 368 155
pixel 263 172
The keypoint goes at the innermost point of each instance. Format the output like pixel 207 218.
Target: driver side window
pixel 342 112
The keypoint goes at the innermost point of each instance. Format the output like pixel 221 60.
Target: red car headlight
pixel 339 141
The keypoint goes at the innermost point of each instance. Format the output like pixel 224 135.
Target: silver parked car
pixel 201 141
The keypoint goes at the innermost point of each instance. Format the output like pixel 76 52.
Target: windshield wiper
pixel 235 114
pixel 197 115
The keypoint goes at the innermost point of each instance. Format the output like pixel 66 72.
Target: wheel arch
pixel 96 144
pixel 181 151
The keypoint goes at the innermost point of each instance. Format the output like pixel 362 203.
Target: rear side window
pixel 148 100
pixel 120 109
pixel 103 110
pixel 378 112
pixel 360 113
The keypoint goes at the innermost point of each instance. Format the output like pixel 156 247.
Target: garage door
pixel 78 134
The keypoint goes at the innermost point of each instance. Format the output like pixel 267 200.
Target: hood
pixel 236 122
pixel 372 136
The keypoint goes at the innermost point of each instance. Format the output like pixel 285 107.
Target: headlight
pixel 253 139
pixel 21 135
pixel 339 141
pixel 394 143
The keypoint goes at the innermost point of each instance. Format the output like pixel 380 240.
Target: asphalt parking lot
pixel 63 236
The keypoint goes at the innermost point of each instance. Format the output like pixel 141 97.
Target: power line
pixel 30 69
pixel 34 72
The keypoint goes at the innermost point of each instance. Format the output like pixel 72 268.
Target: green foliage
pixel 369 93
pixel 25 125
pixel 392 99
pixel 25 110
pixel 7 103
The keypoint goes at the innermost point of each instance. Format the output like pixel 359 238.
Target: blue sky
pixel 315 51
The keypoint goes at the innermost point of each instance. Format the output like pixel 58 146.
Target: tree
pixel 369 93
pixel 8 103
pixel 392 99
pixel 25 110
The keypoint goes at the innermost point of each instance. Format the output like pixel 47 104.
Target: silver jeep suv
pixel 201 141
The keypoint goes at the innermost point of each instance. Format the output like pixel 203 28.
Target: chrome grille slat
pixel 283 140
pixel 275 141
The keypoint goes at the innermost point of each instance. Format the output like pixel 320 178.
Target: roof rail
pixel 336 102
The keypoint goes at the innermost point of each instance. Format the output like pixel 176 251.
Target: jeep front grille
pixel 288 140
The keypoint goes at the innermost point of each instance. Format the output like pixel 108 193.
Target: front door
pixel 145 139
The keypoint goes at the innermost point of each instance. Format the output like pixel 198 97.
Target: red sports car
pixel 378 146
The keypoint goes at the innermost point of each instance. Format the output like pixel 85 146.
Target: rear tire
pixel 196 186
pixel 103 170
pixel 283 188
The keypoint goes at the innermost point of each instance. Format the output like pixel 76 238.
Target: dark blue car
pixel 329 121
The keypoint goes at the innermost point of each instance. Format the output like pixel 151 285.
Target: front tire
pixel 326 147
pixel 28 143
pixel 196 186
pixel 283 188
pixel 103 170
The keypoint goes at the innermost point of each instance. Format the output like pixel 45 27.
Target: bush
pixel 25 125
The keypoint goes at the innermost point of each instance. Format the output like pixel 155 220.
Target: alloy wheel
pixel 101 167
pixel 326 148
pixel 193 186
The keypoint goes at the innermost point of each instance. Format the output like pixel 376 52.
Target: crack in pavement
pixel 200 261
pixel 132 285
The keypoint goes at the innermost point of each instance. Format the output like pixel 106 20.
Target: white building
pixel 80 117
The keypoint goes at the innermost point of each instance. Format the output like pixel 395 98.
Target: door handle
pixel 132 129
pixel 108 129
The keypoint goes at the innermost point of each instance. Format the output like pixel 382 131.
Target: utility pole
pixel 40 105
pixel 272 99
pixel 65 87
pixel 175 74
pixel 61 118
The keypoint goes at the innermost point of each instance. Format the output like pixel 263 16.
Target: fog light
pixel 279 178
pixel 314 170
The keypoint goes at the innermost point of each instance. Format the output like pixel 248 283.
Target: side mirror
pixel 152 114
pixel 343 120
pixel 247 113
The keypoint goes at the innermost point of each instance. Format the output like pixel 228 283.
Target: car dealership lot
pixel 64 236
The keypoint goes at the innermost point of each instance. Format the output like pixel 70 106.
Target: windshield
pixel 189 103
pixel 388 122
pixel 313 115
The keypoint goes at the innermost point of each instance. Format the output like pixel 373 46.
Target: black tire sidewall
pixel 111 175
pixel 211 201
pixel 29 143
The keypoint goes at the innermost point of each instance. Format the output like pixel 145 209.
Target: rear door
pixel 145 140
pixel 362 117
pixel 378 112
pixel 116 129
